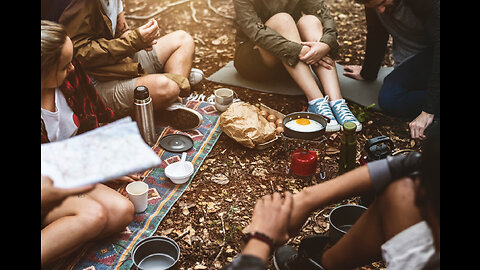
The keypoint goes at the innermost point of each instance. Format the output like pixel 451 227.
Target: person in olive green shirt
pixel 277 35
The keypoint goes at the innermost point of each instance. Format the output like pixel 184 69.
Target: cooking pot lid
pixel 176 143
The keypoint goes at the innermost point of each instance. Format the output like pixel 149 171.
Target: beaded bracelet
pixel 260 236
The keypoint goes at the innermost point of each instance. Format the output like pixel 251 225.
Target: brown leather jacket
pixel 102 55
pixel 250 16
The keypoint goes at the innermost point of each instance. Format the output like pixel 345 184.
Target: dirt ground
pixel 213 214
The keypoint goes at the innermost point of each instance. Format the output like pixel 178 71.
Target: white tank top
pixel 62 123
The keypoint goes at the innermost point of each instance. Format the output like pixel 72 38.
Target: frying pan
pixel 309 135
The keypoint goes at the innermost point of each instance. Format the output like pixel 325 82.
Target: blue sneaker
pixel 343 114
pixel 322 107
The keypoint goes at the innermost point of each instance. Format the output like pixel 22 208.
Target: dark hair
pixel 53 37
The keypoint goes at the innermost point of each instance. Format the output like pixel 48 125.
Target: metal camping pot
pixel 309 135
pixel 156 252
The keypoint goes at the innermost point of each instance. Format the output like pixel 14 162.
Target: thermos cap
pixel 141 92
pixel 349 127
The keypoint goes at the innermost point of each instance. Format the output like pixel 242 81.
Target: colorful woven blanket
pixel 114 252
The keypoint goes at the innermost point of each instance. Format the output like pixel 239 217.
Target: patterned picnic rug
pixel 114 253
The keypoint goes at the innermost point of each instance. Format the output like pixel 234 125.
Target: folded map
pixel 102 154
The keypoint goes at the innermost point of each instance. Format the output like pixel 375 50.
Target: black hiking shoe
pixel 288 258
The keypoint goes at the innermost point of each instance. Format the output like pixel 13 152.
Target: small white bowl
pixel 177 173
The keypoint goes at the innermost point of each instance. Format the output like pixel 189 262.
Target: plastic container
pixel 180 172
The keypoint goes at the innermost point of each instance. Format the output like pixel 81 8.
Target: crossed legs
pixel 308 28
pixel 175 51
pixel 80 219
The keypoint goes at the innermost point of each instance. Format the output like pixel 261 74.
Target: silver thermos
pixel 144 114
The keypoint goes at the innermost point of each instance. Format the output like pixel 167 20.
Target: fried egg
pixel 304 125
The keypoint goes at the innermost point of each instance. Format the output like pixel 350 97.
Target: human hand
pixel 353 71
pixel 419 124
pixel 271 216
pixel 125 179
pixel 301 210
pixel 150 33
pixel 317 51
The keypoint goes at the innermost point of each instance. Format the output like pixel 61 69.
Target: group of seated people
pixel 91 62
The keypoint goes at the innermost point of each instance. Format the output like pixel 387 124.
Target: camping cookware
pixel 176 143
pixel 156 252
pixel 304 162
pixel 342 218
pixel 307 135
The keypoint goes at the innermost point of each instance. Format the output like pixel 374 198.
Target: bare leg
pixel 120 209
pixel 162 90
pixel 72 224
pixel 284 24
pixel 176 51
pixel 80 219
pixel 311 29
pixel 391 213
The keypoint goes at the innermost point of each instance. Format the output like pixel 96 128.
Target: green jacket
pixel 250 16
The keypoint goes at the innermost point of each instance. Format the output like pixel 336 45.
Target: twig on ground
pixel 223 241
pixel 146 17
pixel 217 12
pixel 181 235
pixel 193 12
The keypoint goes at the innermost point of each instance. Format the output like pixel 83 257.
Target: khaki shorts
pixel 409 249
pixel 118 94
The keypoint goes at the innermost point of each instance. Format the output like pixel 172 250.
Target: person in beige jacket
pixel 118 58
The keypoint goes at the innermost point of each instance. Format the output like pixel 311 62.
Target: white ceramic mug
pixel 223 98
pixel 138 195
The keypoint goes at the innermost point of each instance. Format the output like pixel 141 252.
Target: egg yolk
pixel 303 121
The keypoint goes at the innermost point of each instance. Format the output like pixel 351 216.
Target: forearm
pixel 102 51
pixel 315 197
pixel 257 248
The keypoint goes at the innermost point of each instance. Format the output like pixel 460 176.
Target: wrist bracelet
pixel 262 237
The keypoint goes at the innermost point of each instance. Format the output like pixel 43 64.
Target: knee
pixel 164 92
pixel 307 21
pixel 388 99
pixel 123 211
pixel 184 38
pixel 94 218
pixel 280 21
pixel 399 193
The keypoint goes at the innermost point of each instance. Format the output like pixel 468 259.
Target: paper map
pixel 105 153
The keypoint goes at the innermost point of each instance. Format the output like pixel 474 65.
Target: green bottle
pixel 348 148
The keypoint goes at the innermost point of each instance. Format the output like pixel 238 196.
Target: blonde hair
pixel 53 37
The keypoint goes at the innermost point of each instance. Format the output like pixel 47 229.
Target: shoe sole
pixel 182 123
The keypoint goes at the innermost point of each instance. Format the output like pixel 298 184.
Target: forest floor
pixel 215 214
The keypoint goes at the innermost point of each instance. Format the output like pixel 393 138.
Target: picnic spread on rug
pixel 116 252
